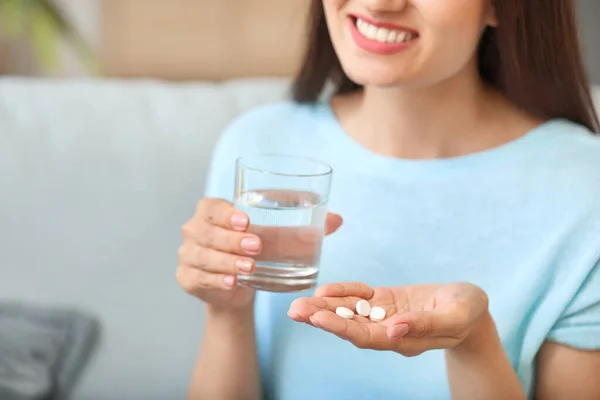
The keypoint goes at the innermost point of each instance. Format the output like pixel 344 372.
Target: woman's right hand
pixel 216 248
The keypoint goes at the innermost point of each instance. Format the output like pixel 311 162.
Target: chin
pixel 379 77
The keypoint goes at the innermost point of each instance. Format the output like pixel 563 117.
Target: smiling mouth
pixel 381 34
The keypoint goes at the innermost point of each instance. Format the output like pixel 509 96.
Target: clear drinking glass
pixel 285 198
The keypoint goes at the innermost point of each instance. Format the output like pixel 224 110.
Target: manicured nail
pixel 239 221
pixel 244 265
pixel 251 244
pixel 229 281
pixel 314 321
pixel 293 315
pixel 398 331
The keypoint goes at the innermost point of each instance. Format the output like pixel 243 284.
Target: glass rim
pixel 240 160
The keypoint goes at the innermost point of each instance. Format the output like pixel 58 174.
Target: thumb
pixel 332 223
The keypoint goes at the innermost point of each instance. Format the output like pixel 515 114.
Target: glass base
pixel 281 277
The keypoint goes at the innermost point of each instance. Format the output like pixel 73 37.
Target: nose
pixel 385 6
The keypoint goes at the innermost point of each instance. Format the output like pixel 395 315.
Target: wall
pixel 589 13
pixel 203 39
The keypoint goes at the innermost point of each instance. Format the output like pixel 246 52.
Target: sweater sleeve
pixel 579 325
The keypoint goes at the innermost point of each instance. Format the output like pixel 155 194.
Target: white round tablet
pixel 363 308
pixel 344 312
pixel 377 314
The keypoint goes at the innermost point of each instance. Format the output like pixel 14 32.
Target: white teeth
pixel 360 23
pixel 383 35
pixel 371 32
pixel 392 36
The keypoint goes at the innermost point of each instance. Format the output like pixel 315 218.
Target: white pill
pixel 377 314
pixel 344 312
pixel 363 308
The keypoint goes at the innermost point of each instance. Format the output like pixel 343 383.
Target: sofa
pixel 97 178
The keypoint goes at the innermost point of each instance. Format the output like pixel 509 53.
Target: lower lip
pixel 373 46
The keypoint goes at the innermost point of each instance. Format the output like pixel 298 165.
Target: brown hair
pixel 533 57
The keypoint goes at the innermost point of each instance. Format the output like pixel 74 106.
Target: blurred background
pixel 109 111
pixel 177 39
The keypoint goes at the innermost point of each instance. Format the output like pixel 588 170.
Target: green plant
pixel 44 25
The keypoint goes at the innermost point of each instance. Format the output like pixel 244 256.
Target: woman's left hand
pixel 418 317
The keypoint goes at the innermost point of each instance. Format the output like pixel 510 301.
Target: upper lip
pixel 384 24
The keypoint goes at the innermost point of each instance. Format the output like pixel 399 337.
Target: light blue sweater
pixel 521 220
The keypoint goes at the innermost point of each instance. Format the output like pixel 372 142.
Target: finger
pixel 303 308
pixel 217 238
pixel 222 213
pixel 214 261
pixel 363 336
pixel 194 280
pixel 439 323
pixel 332 223
pixel 345 289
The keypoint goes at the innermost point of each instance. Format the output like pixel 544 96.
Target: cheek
pixel 333 6
pixel 452 28
pixel 333 14
pixel 338 4
pixel 466 16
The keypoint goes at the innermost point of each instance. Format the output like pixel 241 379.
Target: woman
pixel 460 133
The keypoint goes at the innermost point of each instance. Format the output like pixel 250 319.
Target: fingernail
pixel 293 316
pixel 229 281
pixel 251 244
pixel 244 265
pixel 239 221
pixel 314 321
pixel 398 331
